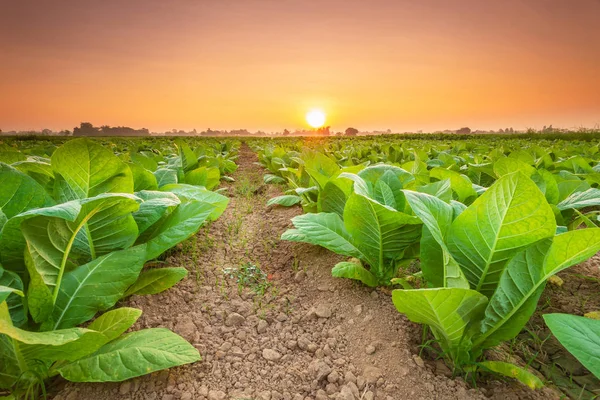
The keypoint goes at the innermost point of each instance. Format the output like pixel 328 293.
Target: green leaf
pixel 588 198
pixel 203 176
pixel 179 225
pixel 96 286
pixel 12 242
pixel 187 193
pixel 513 371
pixel 320 168
pixel 273 179
pixel 84 168
pixel 144 160
pixel 6 291
pixel 114 323
pixel 526 274
pixel 355 271
pixel 380 232
pixel 165 176
pixel 507 165
pixel 14 298
pixel 323 229
pixel 142 178
pixel 153 281
pixel 134 354
pixel 20 192
pixel 579 335
pixel 508 217
pixel 460 184
pixel 153 207
pixel 333 198
pixel 287 200
pixel 104 224
pixel 448 311
pixel 187 156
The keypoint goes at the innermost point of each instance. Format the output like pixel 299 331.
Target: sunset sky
pixel 262 64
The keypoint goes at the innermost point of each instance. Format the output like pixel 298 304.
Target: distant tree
pixel 324 130
pixel 501 130
pixel 388 131
pixel 464 131
pixel 286 132
pixel 351 132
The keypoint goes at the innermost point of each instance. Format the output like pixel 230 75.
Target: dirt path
pixel 296 334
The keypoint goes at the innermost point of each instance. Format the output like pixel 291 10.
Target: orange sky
pixel 261 64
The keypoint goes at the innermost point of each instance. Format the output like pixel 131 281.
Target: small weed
pixel 250 276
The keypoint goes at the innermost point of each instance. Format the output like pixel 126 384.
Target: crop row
pixel 488 222
pixel 78 223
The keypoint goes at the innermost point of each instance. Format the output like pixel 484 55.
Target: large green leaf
pixel 179 225
pixel 448 311
pixel 165 176
pixel 333 197
pixel 114 323
pixel 187 156
pixel 323 229
pixel 43 346
pixel 438 266
pixel 153 207
pixel 134 354
pixel 20 192
pixel 203 176
pixel 320 168
pixel 142 178
pixel 522 283
pixel 95 286
pixel 379 231
pixel 195 193
pixel 508 165
pixel 460 184
pixel 156 280
pixel 12 242
pixel 579 335
pixel 103 224
pixel 508 217
pixel 84 168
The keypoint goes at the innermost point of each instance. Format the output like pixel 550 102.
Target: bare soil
pixel 298 335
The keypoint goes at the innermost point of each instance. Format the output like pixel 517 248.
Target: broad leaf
pixel 355 271
pixel 287 200
pixel 96 286
pixel 84 168
pixel 188 193
pixel 156 280
pixel 323 229
pixel 114 323
pixel 579 335
pixel 521 285
pixel 179 225
pixel 448 311
pixel 508 217
pixel 20 192
pixel 134 354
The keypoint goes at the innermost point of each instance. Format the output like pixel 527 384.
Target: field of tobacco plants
pixel 469 266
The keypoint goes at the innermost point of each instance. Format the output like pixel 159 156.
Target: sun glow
pixel 315 118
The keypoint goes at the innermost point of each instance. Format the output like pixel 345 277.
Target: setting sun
pixel 315 118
